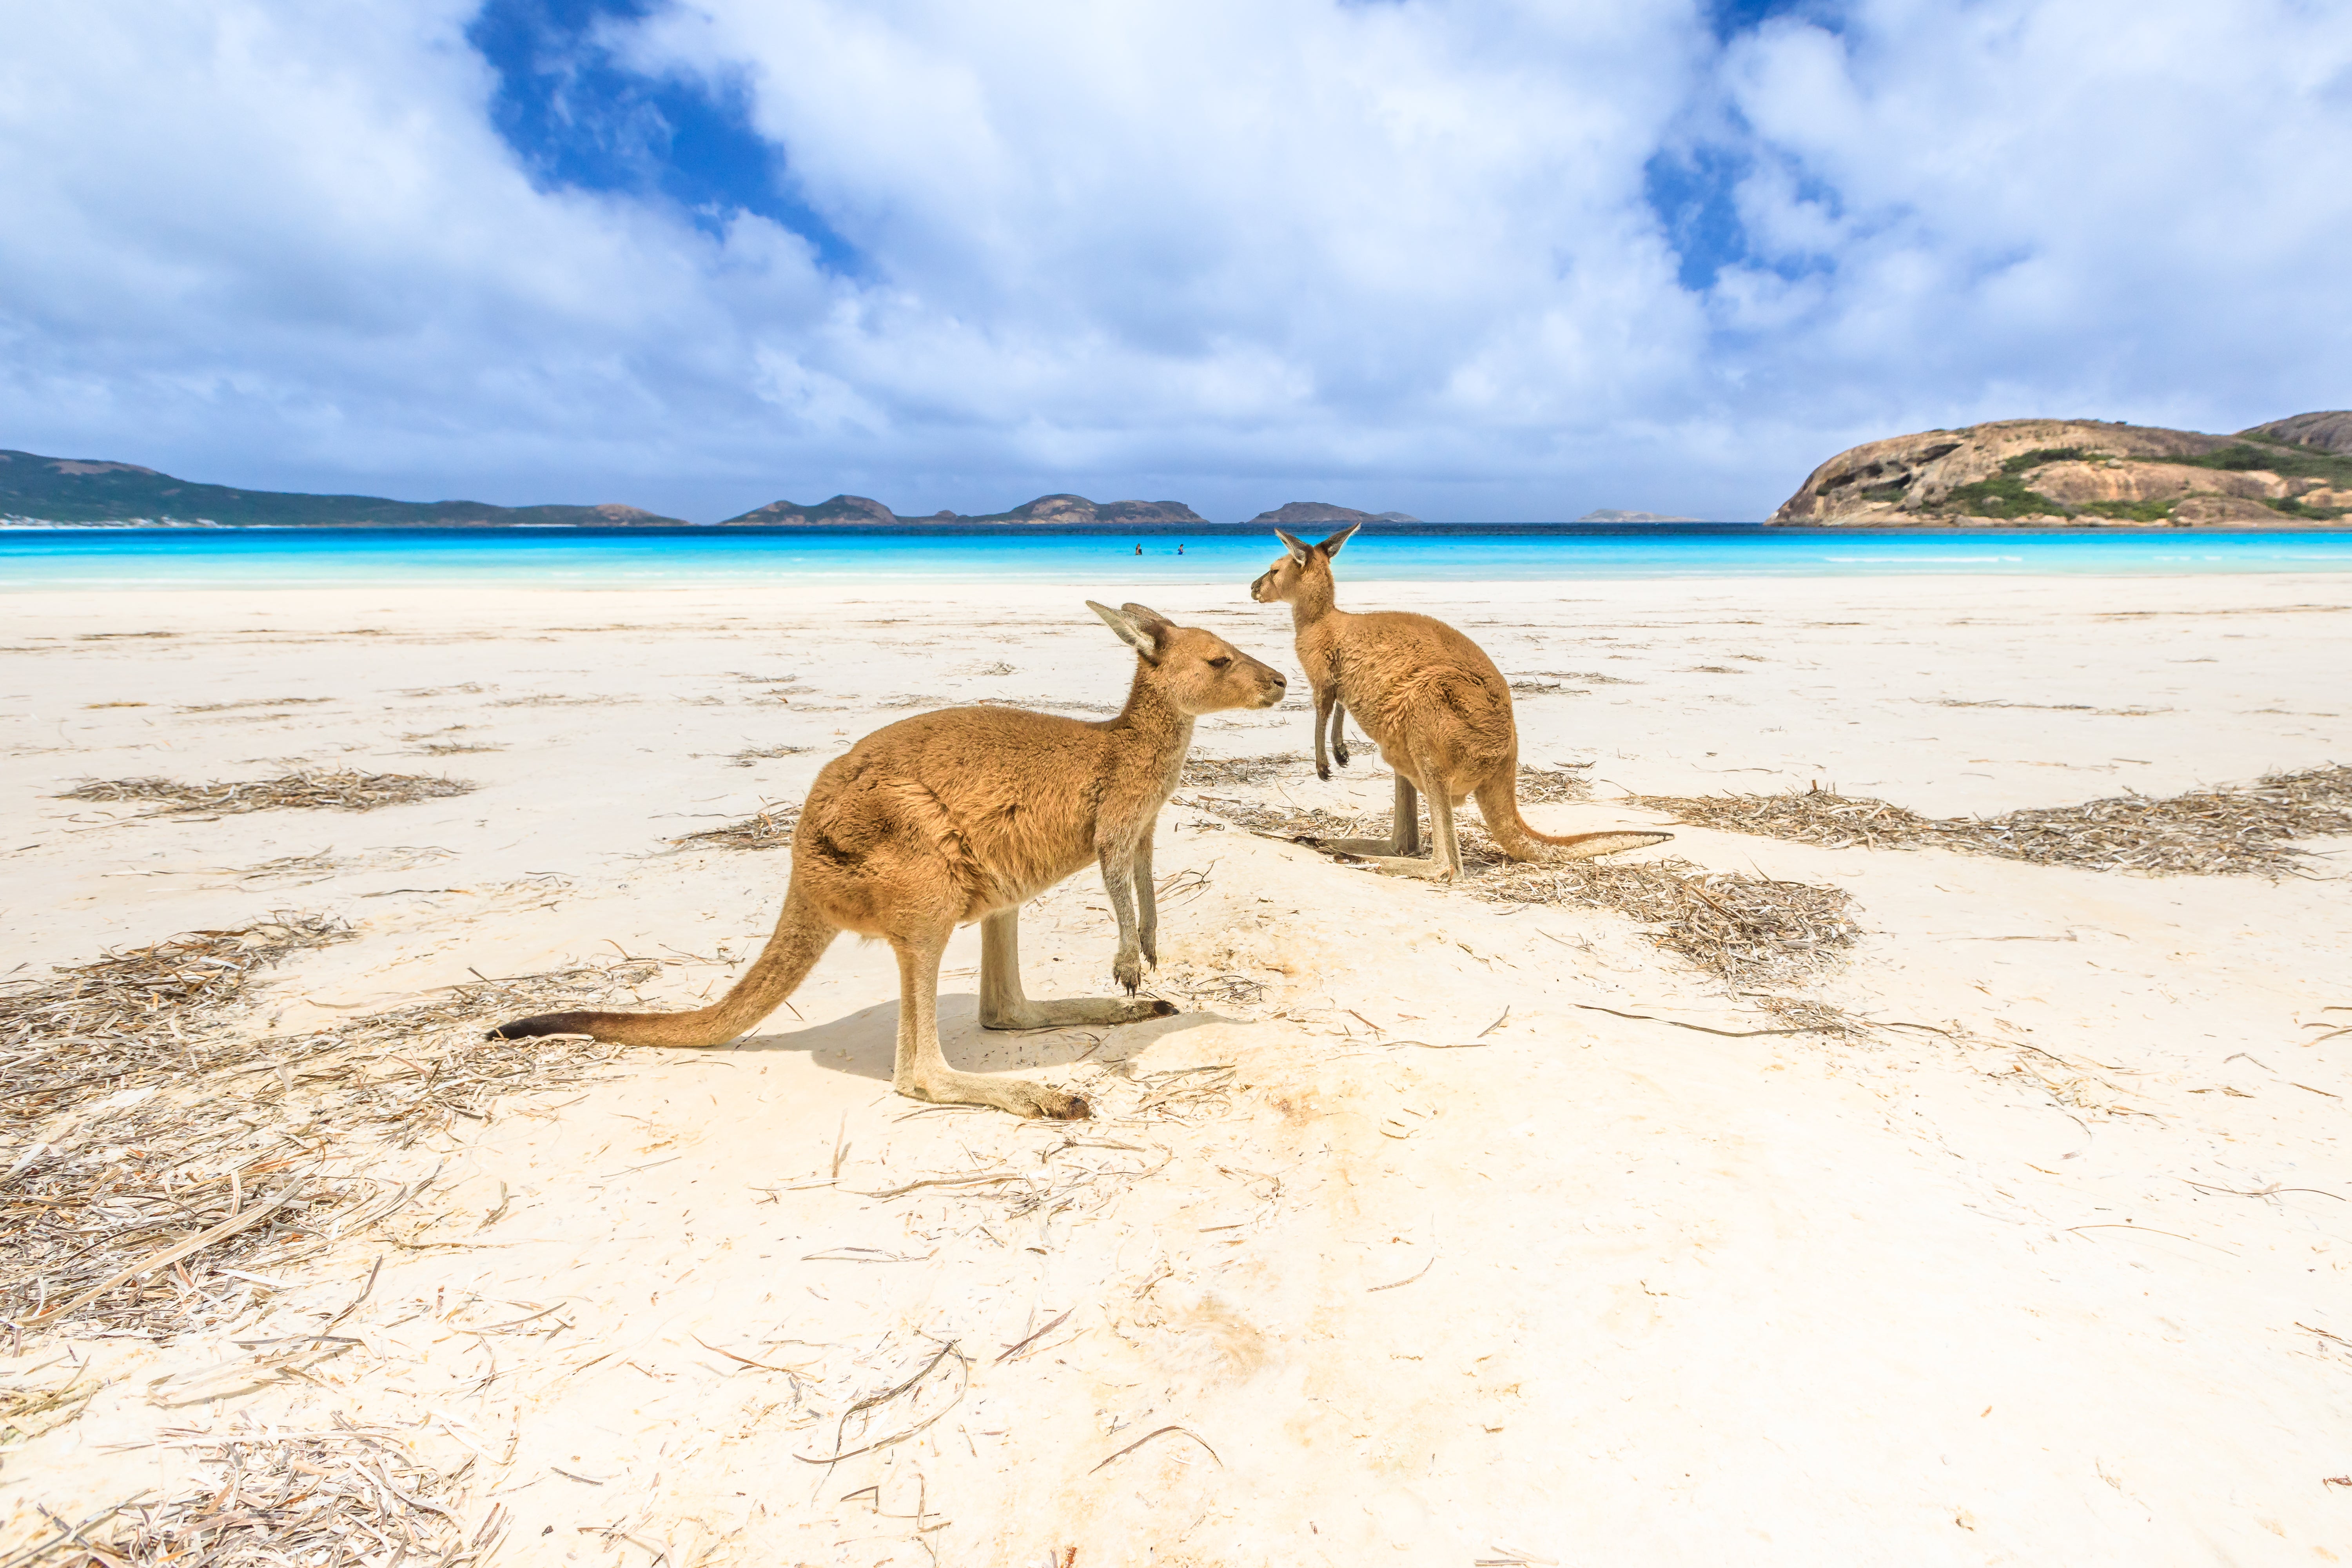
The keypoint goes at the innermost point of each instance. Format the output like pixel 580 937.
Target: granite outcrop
pixel 2085 473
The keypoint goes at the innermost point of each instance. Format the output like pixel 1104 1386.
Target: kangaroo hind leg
pixel 1445 861
pixel 1004 1006
pixel 1404 829
pixel 922 1072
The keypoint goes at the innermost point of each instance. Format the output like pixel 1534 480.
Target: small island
pixel 1609 514
pixel 1063 510
pixel 2086 473
pixel 1302 513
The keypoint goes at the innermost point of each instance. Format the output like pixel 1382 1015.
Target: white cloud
pixel 1395 255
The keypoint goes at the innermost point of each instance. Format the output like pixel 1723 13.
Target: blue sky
pixel 1508 260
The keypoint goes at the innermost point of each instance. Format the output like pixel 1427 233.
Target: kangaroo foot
pixel 1429 870
pixel 1019 1096
pixel 1379 847
pixel 1077 1010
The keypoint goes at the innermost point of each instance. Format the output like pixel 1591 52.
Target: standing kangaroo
pixel 1436 705
pixel 964 814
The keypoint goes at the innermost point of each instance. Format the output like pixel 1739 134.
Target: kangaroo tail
pixel 1498 803
pixel 801 935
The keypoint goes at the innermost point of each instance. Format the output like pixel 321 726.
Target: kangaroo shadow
pixel 865 1044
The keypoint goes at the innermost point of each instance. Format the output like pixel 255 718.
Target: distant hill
pixel 839 510
pixel 1607 514
pixel 34 489
pixel 1306 511
pixel 2330 432
pixel 1070 508
pixel 2051 473
pixel 1054 509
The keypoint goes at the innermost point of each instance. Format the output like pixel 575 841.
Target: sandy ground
pixel 1590 1289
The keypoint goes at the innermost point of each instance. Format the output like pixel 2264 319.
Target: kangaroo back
pixel 800 939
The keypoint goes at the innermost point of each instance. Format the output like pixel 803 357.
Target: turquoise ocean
pixel 34 558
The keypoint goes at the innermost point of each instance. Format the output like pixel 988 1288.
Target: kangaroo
pixel 1436 705
pixel 964 814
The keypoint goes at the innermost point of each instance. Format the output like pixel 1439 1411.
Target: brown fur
pixel 1437 705
pixel 964 814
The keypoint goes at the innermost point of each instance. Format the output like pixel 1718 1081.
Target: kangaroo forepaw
pixel 1323 772
pixel 1339 756
pixel 1127 970
pixel 1054 1105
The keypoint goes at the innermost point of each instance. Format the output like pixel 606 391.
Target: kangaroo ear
pixel 1139 638
pixel 1330 546
pixel 1150 619
pixel 1299 549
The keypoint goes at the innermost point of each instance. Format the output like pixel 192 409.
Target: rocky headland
pixel 36 489
pixel 2086 473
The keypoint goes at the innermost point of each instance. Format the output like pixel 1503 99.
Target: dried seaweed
pixel 111 1013
pixel 2240 829
pixel 254 702
pixel 1552 786
pixel 28 1412
pixel 750 754
pixel 1750 930
pixel 1284 820
pixel 772 828
pixel 328 789
pixel 159 1143
pixel 357 1495
pixel 1213 772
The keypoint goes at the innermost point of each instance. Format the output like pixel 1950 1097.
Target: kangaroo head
pixel 1302 566
pixel 1198 671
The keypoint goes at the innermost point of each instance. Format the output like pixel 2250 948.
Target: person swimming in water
pixel 1139 550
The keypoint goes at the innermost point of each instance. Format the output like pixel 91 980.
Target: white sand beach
pixel 1436 1227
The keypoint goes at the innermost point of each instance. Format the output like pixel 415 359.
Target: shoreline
pixel 923 527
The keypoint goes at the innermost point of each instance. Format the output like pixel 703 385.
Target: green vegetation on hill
pixel 2006 494
pixel 2287 462
pixel 64 489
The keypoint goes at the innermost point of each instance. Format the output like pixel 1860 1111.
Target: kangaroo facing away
pixel 964 814
pixel 1436 705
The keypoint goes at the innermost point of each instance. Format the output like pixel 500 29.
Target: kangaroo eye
pixel 1220 662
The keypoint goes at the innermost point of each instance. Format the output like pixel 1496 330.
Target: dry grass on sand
pixel 2243 828
pixel 351 1494
pixel 769 828
pixel 163 1137
pixel 318 789
pixel 1751 930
